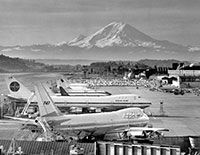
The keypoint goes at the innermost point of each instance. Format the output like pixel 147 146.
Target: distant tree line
pixel 8 64
pixel 120 68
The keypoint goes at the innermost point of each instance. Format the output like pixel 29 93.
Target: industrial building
pixel 189 74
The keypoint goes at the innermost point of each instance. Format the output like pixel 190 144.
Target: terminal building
pixel 189 74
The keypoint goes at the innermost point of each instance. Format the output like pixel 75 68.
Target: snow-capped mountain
pixel 115 34
pixel 78 39
pixel 117 40
pixel 120 35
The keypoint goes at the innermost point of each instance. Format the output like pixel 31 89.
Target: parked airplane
pixel 98 103
pixel 73 86
pixel 87 126
pixel 79 90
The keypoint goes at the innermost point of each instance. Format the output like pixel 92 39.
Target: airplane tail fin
pixel 62 82
pixel 49 91
pixel 17 89
pixel 45 103
pixel 58 83
pixel 63 92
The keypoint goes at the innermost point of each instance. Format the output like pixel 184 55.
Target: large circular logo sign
pixel 14 86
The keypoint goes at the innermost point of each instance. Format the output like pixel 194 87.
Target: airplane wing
pixel 15 99
pixel 23 120
pixel 20 100
pixel 27 123
pixel 148 129
pixel 132 129
pixel 139 132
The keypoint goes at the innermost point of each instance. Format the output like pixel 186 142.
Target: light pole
pixel 2 103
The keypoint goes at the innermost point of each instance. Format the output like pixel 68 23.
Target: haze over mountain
pixel 116 41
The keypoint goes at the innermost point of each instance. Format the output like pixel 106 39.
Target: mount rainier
pixel 117 40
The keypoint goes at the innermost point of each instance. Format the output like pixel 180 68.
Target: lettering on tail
pixel 46 102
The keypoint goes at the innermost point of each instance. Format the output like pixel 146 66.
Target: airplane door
pixel 111 121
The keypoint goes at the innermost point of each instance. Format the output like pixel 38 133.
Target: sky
pixel 26 22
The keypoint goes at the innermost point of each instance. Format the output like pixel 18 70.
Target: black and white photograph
pixel 99 77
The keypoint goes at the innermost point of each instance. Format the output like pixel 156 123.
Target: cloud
pixel 57 20
pixel 64 6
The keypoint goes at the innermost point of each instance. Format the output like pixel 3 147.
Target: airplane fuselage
pixel 112 102
pixel 99 123
pixel 123 100
pixel 87 93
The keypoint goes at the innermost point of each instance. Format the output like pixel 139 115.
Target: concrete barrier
pixel 110 148
pixel 175 151
pixel 165 150
pixel 146 150
pixel 155 150
pixel 137 149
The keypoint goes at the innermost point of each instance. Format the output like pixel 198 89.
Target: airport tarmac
pixel 182 111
